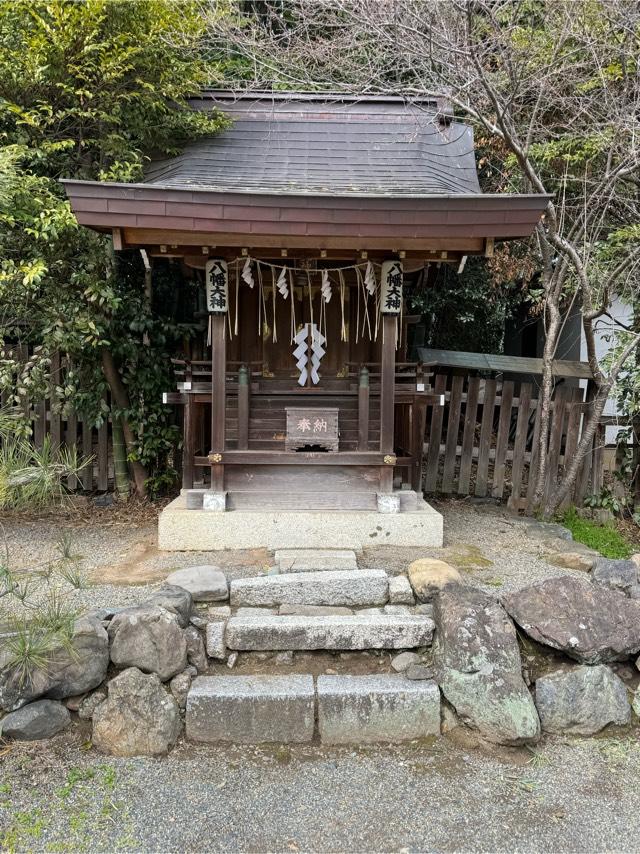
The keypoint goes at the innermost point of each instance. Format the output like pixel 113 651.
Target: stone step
pixel 365 709
pixel 315 560
pixel 359 631
pixel 251 709
pixel 353 588
pixel 282 709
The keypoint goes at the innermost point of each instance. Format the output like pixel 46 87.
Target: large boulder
pixel 149 638
pixel 620 575
pixel 478 666
pixel 589 623
pixel 205 583
pixel 175 599
pixel 72 669
pixel 139 718
pixel 428 576
pixel 41 719
pixel 581 701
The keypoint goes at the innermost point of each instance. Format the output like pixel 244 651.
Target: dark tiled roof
pixel 327 145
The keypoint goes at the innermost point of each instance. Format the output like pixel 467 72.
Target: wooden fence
pixel 484 440
pixel 67 431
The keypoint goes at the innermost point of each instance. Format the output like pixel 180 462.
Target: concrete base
pixel 180 529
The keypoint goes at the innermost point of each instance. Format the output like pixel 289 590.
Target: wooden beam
pixel 301 458
pixel 167 237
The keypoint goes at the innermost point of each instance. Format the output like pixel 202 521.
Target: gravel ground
pixel 447 795
pixel 489 545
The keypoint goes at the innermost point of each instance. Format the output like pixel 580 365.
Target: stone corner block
pixel 400 591
pixel 193 499
pixel 206 583
pixel 215 639
pixel 378 708
pixel 251 709
pixel 387 502
pixel 215 502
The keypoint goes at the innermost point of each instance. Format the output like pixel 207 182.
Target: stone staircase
pixel 322 604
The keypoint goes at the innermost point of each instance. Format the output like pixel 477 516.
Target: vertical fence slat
pixel 520 443
pixel 23 357
pixel 103 456
pixel 573 434
pixel 468 436
pixel 555 440
pixel 55 421
pixel 597 474
pixel 40 423
pixel 86 475
pixel 453 428
pixel 502 441
pixel 533 464
pixel 71 440
pixel 433 455
pixel 486 430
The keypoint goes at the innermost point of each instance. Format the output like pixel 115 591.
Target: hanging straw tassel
pixel 310 297
pixel 343 331
pixel 365 319
pixel 274 335
pixel 237 293
pixel 262 306
pixel 209 332
pixel 293 305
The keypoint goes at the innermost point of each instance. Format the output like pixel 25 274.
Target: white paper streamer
pixel 247 274
pixel 370 279
pixel 282 284
pixel 325 288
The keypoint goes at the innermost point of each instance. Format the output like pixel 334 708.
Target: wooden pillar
pixel 218 396
pixel 387 387
pixel 244 389
pixel 363 410
pixel 418 427
pixel 188 443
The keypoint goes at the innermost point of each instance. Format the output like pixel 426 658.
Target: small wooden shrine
pixel 307 220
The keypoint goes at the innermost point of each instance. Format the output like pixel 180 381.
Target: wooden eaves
pixel 172 221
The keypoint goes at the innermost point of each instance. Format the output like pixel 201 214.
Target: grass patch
pixel 603 538
pixel 84 807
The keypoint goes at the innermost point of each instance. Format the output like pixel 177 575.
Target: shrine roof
pixel 309 171
pixel 325 145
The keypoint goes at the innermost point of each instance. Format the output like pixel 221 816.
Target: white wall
pixel 604 326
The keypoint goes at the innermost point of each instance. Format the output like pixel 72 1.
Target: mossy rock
pixel 466 557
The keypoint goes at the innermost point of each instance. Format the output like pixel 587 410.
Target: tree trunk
pixel 584 447
pixel 120 468
pixel 121 398
pixel 544 400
